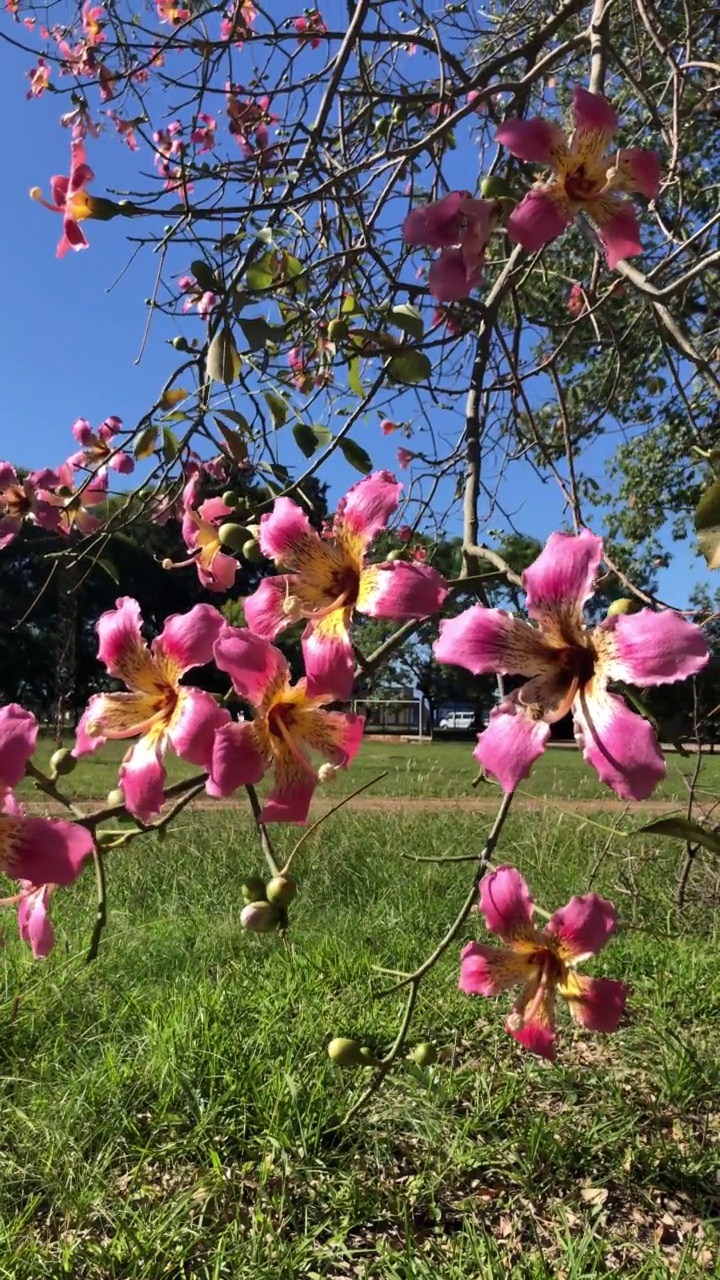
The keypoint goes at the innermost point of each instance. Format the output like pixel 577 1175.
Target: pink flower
pixel 93 17
pixel 287 725
pixel 387 427
pixel 126 129
pixel 71 199
pixel 329 578
pixel 34 923
pixel 543 961
pixel 169 11
pixel 586 178
pixel 203 135
pixel 73 502
pixel 576 303
pixel 404 457
pixel 461 227
pixel 39 78
pixel 158 710
pixel 404 533
pixel 20 500
pixel 238 26
pixel 568 668
pixel 98 450
pixel 310 28
pixel 216 570
pixel 36 850
pixel 81 122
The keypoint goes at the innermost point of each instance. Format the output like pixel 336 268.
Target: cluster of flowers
pixel 586 178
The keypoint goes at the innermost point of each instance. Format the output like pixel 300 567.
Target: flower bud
pixel 251 550
pixel 232 536
pixel 347 1053
pixel 253 889
pixel 424 1055
pixel 231 498
pixel 61 762
pixel 180 343
pixel 259 917
pixel 397 553
pixel 495 188
pixel 281 890
pixel 623 606
pixel 115 797
pixel 338 330
pixel 327 772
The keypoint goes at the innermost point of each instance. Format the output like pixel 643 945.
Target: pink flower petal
pixel 538 219
pixel 213 510
pixel 618 230
pixel 561 579
pixel 255 666
pixel 367 507
pixel 583 927
pixel 449 279
pixel 507 906
pixel 328 656
pixel 122 648
pixel 639 170
pixel 142 777
pixel 289 800
pixel 618 743
pixel 18 738
pixel 488 971
pixel 83 432
pixel 593 114
pixel 596 1003
pixel 265 612
pixel 217 574
pixel 484 640
pixel 401 591
pixel 34 924
pixel 435 225
pixel 237 759
pixel 335 735
pixel 537 1036
pixel 59 190
pixel 85 743
pixel 648 648
pixel 536 141
pixel 187 639
pixel 286 535
pixel 42 851
pixel 194 724
pixel 511 744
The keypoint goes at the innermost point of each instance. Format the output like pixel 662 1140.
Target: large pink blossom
pixel 70 198
pixel 587 178
pixel 542 961
pixel 461 227
pixel 200 529
pixel 158 709
pixel 21 500
pixel 568 667
pixel 98 447
pixel 288 724
pixel 35 850
pixel 73 501
pixel 310 28
pixel 329 578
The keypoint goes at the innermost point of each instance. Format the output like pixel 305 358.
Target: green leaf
pixel 234 441
pixel 239 420
pixel 310 439
pixel 110 569
pixel 354 382
pixel 350 306
pixel 259 332
pixel 145 442
pixel 259 275
pixel 355 455
pixel 205 276
pixel 278 408
pixel 223 361
pixel 683 829
pixel 170 444
pixel 707 525
pixel 409 367
pixel 408 319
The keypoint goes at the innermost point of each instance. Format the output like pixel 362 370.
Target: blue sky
pixel 74 327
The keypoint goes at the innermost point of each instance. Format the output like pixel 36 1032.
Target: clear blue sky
pixel 73 331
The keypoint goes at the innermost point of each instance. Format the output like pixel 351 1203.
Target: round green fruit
pixel 281 890
pixel 231 498
pixel 347 1053
pixel 338 330
pixel 232 536
pixel 424 1055
pixel 623 606
pixel 251 550
pixel 115 798
pixel 253 889
pixel 62 761
pixel 259 917
pixel 494 188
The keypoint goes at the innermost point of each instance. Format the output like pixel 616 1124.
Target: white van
pixel 458 720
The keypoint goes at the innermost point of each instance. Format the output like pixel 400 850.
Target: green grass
pixel 440 769
pixel 168 1110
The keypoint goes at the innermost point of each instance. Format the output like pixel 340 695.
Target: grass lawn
pixel 167 1111
pixel 440 769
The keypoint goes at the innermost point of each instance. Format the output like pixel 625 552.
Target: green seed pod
pixel 251 550
pixel 623 606
pixel 259 917
pixel 180 343
pixel 232 536
pixel 281 890
pixel 347 1053
pixel 231 498
pixel 338 330
pixel 61 762
pixel 396 554
pixel 424 1055
pixel 115 797
pixel 253 889
pixel 493 187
